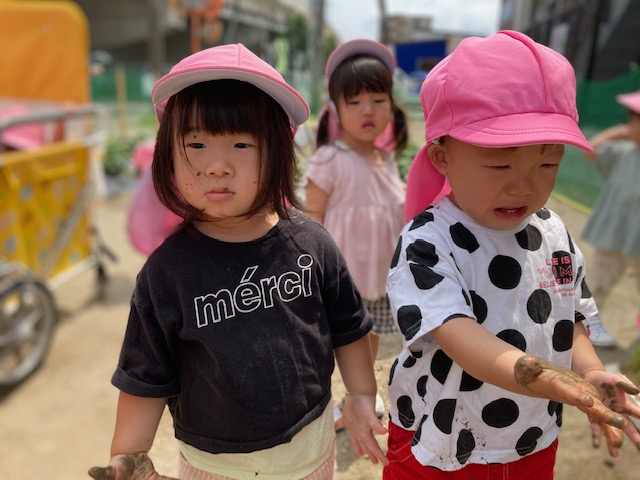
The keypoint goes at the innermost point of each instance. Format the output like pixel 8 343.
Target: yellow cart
pixel 47 182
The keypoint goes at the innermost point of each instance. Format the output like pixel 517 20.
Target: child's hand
pixel 554 382
pixel 137 466
pixel 615 391
pixel 360 418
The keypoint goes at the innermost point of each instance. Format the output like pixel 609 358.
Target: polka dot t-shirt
pixel 525 285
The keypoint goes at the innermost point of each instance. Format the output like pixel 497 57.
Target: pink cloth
pixel 149 222
pixel 142 155
pixel 364 212
pixel 24 136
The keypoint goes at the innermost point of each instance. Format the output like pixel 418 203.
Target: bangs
pixel 222 107
pixel 360 74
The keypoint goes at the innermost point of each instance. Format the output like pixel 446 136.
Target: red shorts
pixel 404 466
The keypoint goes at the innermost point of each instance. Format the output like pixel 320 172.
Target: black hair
pixel 220 107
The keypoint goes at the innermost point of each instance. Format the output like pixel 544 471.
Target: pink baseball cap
pixel 360 46
pixel 504 90
pixel 234 62
pixel 630 100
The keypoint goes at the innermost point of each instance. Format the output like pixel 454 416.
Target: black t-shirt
pixel 240 336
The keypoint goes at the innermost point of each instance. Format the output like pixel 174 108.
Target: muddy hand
pixel 136 466
pixel 615 391
pixel 554 382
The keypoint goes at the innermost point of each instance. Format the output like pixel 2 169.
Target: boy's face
pixel 498 187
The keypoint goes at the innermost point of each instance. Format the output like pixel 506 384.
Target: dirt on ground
pixel 59 422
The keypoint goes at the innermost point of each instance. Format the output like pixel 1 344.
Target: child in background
pixel 353 187
pixel 486 285
pixel 614 225
pixel 236 317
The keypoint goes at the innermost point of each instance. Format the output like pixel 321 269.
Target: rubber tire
pixel 28 318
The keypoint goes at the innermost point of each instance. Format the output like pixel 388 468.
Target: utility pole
pixel 316 52
pixel 156 45
pixel 384 35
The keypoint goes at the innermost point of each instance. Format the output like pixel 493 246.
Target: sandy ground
pixel 59 422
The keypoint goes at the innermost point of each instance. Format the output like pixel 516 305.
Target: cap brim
pixel 289 99
pixel 630 101
pixel 425 185
pixel 523 129
pixel 360 46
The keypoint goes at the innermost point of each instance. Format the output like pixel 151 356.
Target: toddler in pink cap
pixel 353 186
pixel 486 284
pixel 236 317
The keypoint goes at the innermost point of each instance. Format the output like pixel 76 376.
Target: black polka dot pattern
pixel 443 414
pixel 409 320
pixel 505 272
pixel 563 336
pixel 479 306
pixel 528 441
pixel 513 337
pixel 463 238
pixel 539 306
pixel 530 238
pixel 406 415
pixel 525 286
pixel 465 445
pixel 440 366
pixel 500 413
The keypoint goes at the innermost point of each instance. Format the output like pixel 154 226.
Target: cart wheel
pixel 27 320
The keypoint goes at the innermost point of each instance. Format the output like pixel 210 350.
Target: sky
pixel 360 18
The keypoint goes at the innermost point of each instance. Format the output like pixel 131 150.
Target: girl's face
pixel 498 187
pixel 363 117
pixel 220 175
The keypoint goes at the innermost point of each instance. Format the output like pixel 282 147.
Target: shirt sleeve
pixel 147 366
pixel 424 286
pixel 585 308
pixel 347 316
pixel 321 169
pixel 608 155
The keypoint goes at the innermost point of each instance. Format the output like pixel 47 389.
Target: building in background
pixel 601 38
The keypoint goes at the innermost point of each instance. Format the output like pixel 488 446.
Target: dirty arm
pixel 137 421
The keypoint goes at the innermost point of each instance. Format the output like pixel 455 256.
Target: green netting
pixel 578 179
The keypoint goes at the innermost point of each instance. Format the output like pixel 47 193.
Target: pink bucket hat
pixel 630 100
pixel 503 90
pixel 360 46
pixel 234 62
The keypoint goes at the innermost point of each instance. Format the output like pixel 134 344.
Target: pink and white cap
pixel 630 100
pixel 234 62
pixel 359 46
pixel 503 90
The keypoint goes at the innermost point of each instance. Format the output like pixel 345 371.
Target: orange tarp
pixel 44 51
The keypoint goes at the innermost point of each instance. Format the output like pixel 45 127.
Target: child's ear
pixel 438 156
